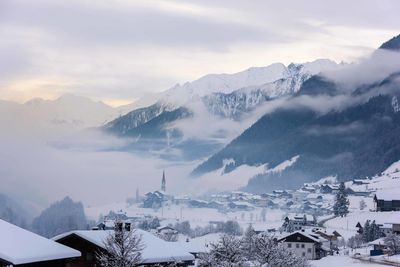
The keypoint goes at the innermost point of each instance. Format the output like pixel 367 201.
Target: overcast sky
pixel 117 51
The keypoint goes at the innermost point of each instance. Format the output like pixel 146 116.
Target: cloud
pixel 121 50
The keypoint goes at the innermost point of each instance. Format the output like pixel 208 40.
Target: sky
pixel 119 51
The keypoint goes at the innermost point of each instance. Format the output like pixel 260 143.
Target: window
pixel 309 250
pixel 304 254
pixel 297 245
pixel 289 245
pixel 302 245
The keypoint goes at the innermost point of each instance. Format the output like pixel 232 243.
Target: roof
pixel 155 249
pixel 379 242
pixel 313 236
pixel 388 196
pixel 19 246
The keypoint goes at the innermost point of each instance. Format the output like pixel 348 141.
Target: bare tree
pixel 123 248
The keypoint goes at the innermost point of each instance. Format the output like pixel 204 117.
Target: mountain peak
pixel 393 44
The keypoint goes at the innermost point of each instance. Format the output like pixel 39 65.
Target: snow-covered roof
pixel 313 236
pixel 379 241
pixel 155 249
pixel 19 246
pixel 388 195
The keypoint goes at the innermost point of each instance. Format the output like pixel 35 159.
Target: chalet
pixel 389 228
pixel 355 192
pixel 298 222
pixel 198 203
pixel 379 247
pixel 387 202
pixel 155 252
pixel 329 189
pixel 240 205
pixel 306 245
pixel 308 188
pixel 359 227
pixel 19 247
pixel 167 233
pixel 332 236
pixel 360 181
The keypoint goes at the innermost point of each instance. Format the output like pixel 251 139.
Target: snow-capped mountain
pixel 227 95
pixel 250 78
pixel 67 111
pixel 245 99
pixel 344 124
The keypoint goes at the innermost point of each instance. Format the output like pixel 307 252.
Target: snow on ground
pixel 196 216
pixel 344 261
pixel 387 182
pixel 347 225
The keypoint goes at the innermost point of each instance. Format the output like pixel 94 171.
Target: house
pixel 332 236
pixel 298 222
pixel 360 228
pixel 308 188
pixel 167 233
pixel 306 245
pixel 240 205
pixel 389 228
pixel 154 199
pixel 19 247
pixel 155 252
pixel 198 203
pixel 355 192
pixel 329 189
pixel 360 181
pixel 379 247
pixel 387 202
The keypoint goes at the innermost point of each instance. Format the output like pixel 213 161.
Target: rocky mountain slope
pixel 348 130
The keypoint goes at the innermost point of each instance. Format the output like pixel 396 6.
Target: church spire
pixel 163 182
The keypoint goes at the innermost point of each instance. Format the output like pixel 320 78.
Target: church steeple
pixel 163 182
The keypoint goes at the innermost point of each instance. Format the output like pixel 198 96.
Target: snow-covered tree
pixel 366 232
pixel 248 242
pixel 287 226
pixel 370 231
pixel 251 250
pixel 375 233
pixel 268 252
pixel 392 241
pixel 60 217
pixel 355 241
pixel 183 227
pixel 363 205
pixel 227 252
pixel 232 228
pixel 123 248
pixel 341 206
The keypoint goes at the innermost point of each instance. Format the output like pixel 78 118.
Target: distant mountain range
pixel 358 137
pixel 67 111
pixel 221 96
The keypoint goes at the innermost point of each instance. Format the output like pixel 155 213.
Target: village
pixel 178 230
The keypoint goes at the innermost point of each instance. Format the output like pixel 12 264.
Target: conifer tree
pixel 341 206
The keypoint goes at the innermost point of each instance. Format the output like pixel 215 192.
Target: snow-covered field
pixel 196 216
pixel 342 261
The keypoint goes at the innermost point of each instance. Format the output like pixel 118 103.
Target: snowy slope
pixel 255 76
